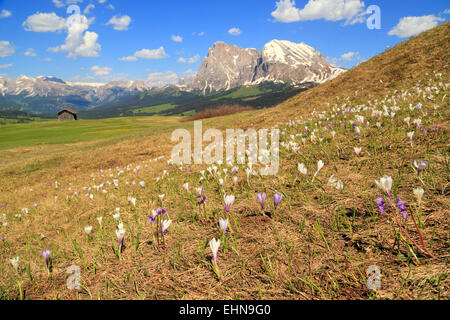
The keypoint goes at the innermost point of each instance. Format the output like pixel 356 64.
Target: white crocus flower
pixel 116 216
pixel 132 200
pixel 165 225
pixel 229 200
pixel 100 220
pixel 120 232
pixel 214 245
pixel 88 230
pixel 320 165
pixel 385 184
pixel 15 263
pixel 419 194
pixel 302 169
pixel 357 150
pixel 410 136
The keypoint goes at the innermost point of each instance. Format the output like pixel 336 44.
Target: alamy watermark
pixel 373 278
pixel 373 21
pixel 74 280
pixel 258 150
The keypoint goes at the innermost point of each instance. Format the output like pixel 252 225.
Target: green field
pixel 56 132
pixel 154 109
pixel 242 92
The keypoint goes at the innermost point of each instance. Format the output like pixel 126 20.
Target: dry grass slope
pixel 318 243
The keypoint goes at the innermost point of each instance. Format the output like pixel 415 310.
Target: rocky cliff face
pixel 228 66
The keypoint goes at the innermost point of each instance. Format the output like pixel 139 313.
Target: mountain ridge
pixel 280 61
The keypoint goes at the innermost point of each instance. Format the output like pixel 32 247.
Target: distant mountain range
pixel 227 67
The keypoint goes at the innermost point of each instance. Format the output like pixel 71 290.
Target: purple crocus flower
pixel 152 219
pixel 201 197
pixel 46 254
pixel 261 198
pixel 380 203
pixel 161 211
pixel 277 199
pixel 401 206
pixel 421 165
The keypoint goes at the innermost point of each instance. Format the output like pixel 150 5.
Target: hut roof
pixel 68 110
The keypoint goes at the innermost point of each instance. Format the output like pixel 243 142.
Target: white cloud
pixel 120 23
pixel 447 11
pixel 286 11
pixel 410 26
pixel 47 59
pixel 58 3
pixel 80 43
pixel 44 22
pixel 5 13
pixel 151 54
pixel 235 31
pixel 6 49
pixel 30 53
pixel 346 60
pixel 130 58
pixel 5 66
pixel 101 71
pixel 192 60
pixel 349 56
pixel 168 76
pixel 177 39
pixel 62 3
pixel 201 34
pixel 88 8
pixel 331 10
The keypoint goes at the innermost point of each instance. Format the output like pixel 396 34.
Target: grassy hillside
pixel 330 227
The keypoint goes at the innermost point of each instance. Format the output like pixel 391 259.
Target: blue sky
pixel 163 40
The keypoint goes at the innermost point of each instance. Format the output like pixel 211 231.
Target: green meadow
pixel 69 132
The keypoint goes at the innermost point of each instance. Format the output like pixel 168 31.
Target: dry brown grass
pixel 305 265
pixel 219 112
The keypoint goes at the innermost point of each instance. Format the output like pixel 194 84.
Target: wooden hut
pixel 67 114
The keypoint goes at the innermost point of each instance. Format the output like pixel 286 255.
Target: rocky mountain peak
pixel 228 66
